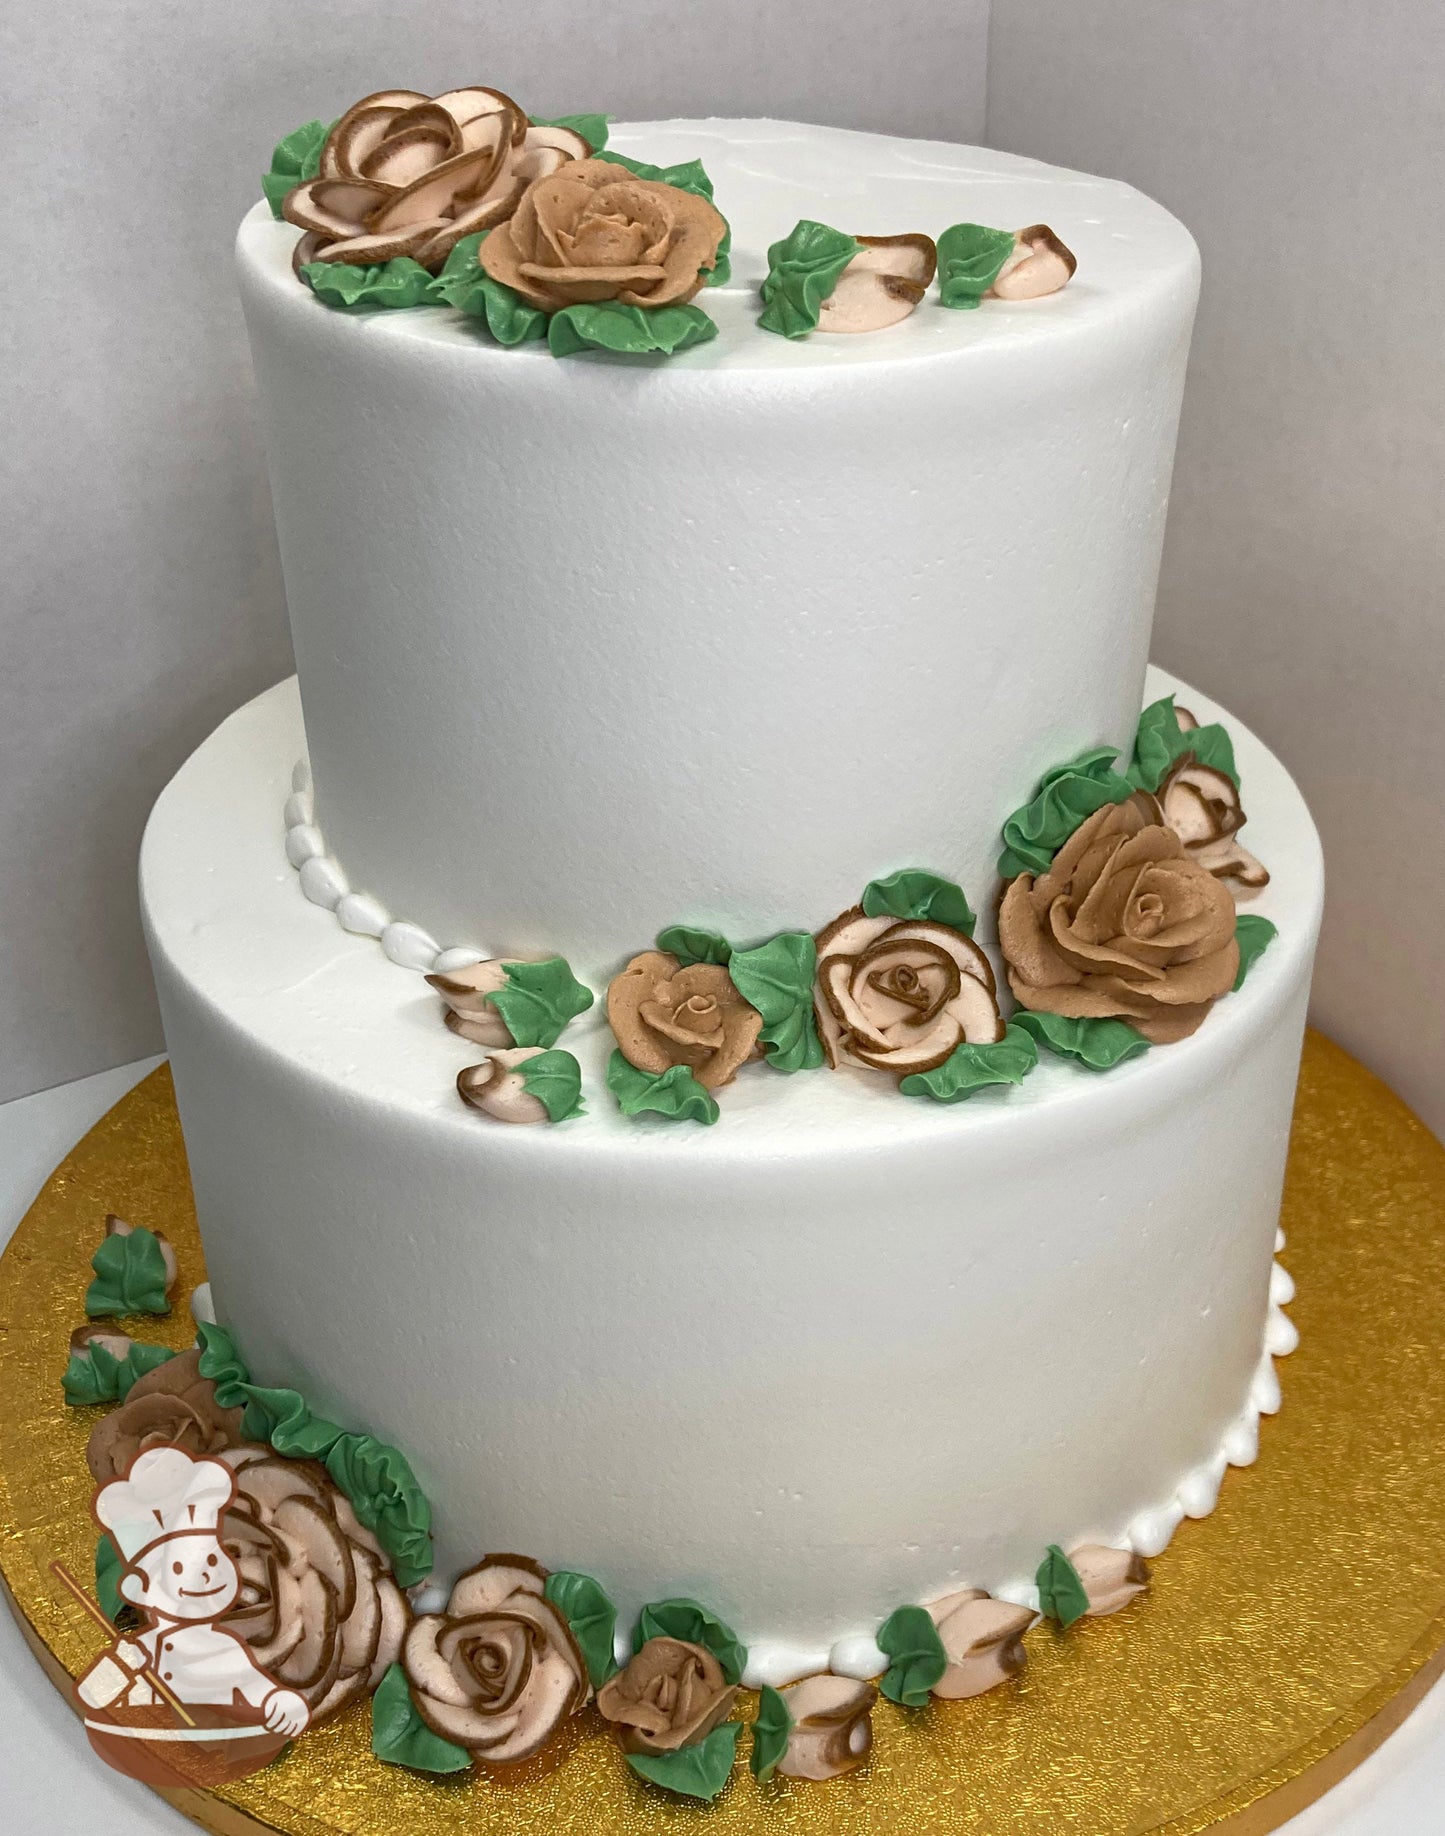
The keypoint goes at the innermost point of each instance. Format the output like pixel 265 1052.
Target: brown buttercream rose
pixel 665 1015
pixel 672 1694
pixel 318 1607
pixel 171 1405
pixel 592 231
pixel 1124 925
pixel 499 1670
pixel 901 995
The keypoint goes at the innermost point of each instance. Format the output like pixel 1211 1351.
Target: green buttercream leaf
pixel 608 325
pixel 376 1478
pixel 694 1625
pixel 970 256
pixel 555 1079
pixel 296 160
pixel 96 1376
pixel 538 999
pixel 1254 935
pixel 400 1737
pixel 688 175
pixel 465 284
pixel 974 1067
pixel 770 1734
pixel 777 979
pixel 1067 795
pixel 910 1639
pixel 1098 1045
pixel 699 1771
pixel 913 892
pixel 592 128
pixel 592 1617
pixel 803 270
pixel 1061 1592
pixel 1161 740
pixel 130 1276
pixel 392 284
pixel 690 945
pixel 675 1093
pixel 108 1570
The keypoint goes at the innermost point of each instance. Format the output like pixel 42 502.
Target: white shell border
pixel 324 884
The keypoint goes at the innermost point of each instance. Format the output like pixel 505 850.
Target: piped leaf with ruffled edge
pixel 1062 1595
pixel 971 1068
pixel 909 1638
pixel 1067 795
pixel 608 325
pixel 133 1273
pixel 687 175
pixel 803 270
pixel 399 1736
pixel 295 161
pixel 465 284
pixel 109 1567
pixel 94 1374
pixel 694 1624
pixel 674 1094
pixel 970 259
pixel 770 1734
pixel 698 1771
pixel 1098 1045
pixel 537 1000
pixel 1254 935
pixel 777 979
pixel 391 285
pixel 914 892
pixel 555 1079
pixel 588 1610
pixel 690 945
pixel 1161 740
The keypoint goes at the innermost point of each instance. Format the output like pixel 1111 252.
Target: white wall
pixel 141 597
pixel 1304 573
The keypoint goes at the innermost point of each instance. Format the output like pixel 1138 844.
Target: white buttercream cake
pixel 591 646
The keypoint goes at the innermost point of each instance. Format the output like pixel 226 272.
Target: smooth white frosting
pixel 594 645
pixel 842 1351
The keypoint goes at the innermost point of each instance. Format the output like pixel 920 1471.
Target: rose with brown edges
pixel 500 1670
pixel 318 1608
pixel 1124 925
pixel 173 1405
pixel 665 1015
pixel 592 231
pixel 672 1694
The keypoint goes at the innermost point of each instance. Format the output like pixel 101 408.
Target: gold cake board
pixel 1284 1636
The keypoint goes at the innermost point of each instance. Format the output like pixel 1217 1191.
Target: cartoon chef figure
pixel 165 1518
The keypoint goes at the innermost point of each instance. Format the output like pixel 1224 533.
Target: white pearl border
pixel 324 884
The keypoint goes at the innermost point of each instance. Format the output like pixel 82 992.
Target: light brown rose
pixel 318 1607
pixel 499 1670
pixel 1124 925
pixel 664 1015
pixel 832 1731
pixel 171 1405
pixel 901 995
pixel 591 231
pixel 673 1694
pixel 983 1639
pixel 408 174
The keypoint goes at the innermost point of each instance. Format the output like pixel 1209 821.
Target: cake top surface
pixel 767 175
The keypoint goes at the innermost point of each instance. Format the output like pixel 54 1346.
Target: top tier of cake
pixel 592 645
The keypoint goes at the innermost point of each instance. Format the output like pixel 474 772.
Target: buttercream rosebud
pixel 881 285
pixel 498 1089
pixel 470 1011
pixel 983 1640
pixel 1110 1577
pixel 1039 264
pixel 832 1731
pixel 1202 806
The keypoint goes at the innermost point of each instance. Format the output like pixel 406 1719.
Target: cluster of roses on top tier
pixel 1117 927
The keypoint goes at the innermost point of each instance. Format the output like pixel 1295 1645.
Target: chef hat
pixel 165 1493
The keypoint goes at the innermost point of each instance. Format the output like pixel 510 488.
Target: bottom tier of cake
pixel 844 1351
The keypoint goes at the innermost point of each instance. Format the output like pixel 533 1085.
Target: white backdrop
pixel 1298 138
pixel 142 600
pixel 1304 568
